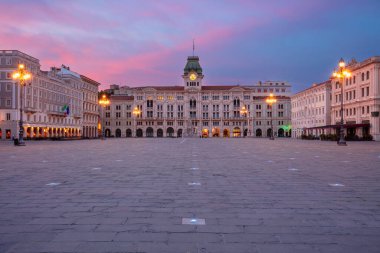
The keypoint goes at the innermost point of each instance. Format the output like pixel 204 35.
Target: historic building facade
pixel 311 110
pixel 90 107
pixel 53 100
pixel 361 99
pixel 361 104
pixel 195 109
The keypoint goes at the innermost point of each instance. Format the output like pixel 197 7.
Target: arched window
pixel 193 103
pixel 367 75
pixel 236 102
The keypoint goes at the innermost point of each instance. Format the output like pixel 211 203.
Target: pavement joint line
pixel 44 161
pixel 96 168
pixel 194 168
pixel 292 158
pixel 118 160
pixel 293 169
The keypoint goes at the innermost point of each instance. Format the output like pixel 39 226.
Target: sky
pixel 146 42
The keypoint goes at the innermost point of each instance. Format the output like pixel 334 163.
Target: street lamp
pixel 22 75
pixel 104 101
pixel 341 73
pixel 244 111
pixel 270 101
pixel 136 111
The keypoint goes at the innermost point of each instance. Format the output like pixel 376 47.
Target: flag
pixel 66 110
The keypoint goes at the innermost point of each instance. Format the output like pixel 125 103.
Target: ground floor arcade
pixel 204 132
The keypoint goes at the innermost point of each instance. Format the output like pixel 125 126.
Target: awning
pixel 338 126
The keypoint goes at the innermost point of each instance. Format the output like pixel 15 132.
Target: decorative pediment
pixel 149 90
pixel 239 89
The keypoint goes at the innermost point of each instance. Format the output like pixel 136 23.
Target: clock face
pixel 193 76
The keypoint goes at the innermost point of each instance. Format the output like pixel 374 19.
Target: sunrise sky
pixel 140 42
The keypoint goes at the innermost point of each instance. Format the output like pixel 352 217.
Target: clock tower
pixel 192 74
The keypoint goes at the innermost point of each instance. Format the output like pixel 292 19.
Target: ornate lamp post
pixel 341 73
pixel 244 111
pixel 22 75
pixel 104 101
pixel 270 101
pixel 137 113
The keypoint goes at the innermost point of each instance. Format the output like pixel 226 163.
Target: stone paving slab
pixel 130 195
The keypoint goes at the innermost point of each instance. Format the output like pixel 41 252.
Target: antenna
pixel 193 47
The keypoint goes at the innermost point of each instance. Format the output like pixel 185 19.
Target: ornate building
pixel 195 109
pixel 316 110
pixel 57 103
pixel 361 99
pixel 311 110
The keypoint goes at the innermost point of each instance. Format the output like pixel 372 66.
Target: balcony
pixel 55 113
pixel 30 110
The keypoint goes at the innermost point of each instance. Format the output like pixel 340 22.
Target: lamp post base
pixel 19 143
pixel 342 143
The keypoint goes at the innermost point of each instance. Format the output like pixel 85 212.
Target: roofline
pixel 312 87
pixel 87 79
pixel 14 50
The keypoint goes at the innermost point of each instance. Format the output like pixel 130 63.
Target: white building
pixel 311 110
pixel 52 101
pixel 361 99
pixel 316 110
pixel 196 109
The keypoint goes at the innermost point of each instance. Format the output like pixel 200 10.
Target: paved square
pixel 131 195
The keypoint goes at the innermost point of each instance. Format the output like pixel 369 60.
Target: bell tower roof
pixel 192 65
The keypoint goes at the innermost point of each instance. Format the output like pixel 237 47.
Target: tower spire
pixel 193 47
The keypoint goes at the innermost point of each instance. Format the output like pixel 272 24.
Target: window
pixel 8 116
pixel 193 103
pixel 367 90
pixel 149 103
pixel 367 75
pixel 236 102
pixel 258 107
pixel 9 87
pixel 118 107
pixel 280 114
pixel 9 102
pixel 362 76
